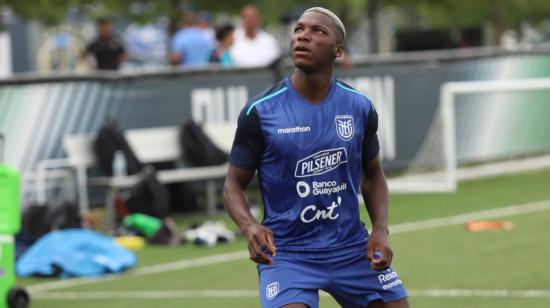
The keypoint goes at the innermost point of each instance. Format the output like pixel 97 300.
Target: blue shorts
pixel 346 274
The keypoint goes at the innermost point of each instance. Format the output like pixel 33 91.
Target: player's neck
pixel 313 86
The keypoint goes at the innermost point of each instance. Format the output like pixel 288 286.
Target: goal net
pixel 481 128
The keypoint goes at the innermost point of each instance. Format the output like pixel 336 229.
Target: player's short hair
pixel 337 22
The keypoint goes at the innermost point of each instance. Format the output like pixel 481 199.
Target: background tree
pixel 501 14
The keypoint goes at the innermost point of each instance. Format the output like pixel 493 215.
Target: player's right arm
pixel 246 154
pixel 260 238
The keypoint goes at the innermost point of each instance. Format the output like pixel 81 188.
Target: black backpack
pixel 37 220
pixel 110 139
pixel 149 196
pixel 34 223
pixel 198 149
pixel 64 216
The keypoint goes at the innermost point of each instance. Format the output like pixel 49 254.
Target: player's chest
pixel 309 131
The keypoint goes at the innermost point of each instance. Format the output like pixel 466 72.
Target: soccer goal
pixel 481 128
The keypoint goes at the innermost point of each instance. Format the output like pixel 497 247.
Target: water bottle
pixel 119 164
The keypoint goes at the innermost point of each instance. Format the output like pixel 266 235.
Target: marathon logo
pixel 293 130
pixel 321 162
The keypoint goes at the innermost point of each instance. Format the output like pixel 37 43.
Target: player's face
pixel 314 43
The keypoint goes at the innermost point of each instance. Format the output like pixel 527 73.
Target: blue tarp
pixel 74 252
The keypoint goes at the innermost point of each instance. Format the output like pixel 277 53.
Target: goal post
pixel 481 128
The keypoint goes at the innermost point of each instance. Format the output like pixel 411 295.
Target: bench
pixel 151 145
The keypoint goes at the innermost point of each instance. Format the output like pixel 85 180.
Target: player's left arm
pixel 375 194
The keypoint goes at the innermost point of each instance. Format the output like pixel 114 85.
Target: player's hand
pixel 379 251
pixel 260 244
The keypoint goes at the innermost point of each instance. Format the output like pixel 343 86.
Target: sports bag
pixel 149 196
pixel 198 149
pixel 110 139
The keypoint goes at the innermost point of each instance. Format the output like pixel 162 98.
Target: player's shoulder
pixel 350 91
pixel 265 96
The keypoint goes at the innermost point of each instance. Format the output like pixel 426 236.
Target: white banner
pixel 5 55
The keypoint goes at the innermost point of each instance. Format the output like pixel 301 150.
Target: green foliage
pixel 438 13
pixel 53 11
pixel 531 10
pixel 49 12
pixel 464 13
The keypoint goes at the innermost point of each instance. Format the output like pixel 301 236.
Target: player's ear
pixel 339 50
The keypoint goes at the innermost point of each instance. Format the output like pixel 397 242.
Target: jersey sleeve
pixel 371 147
pixel 248 145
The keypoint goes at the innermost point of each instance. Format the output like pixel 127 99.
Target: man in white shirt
pixel 253 47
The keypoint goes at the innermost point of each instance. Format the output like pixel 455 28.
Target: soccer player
pixel 313 141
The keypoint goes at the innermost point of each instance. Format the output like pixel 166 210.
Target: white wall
pixel 5 55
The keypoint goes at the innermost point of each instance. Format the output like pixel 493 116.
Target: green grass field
pixel 441 264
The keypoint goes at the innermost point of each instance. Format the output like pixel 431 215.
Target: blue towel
pixel 74 252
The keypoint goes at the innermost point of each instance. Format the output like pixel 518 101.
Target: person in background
pixel 107 50
pixel 225 38
pixel 253 47
pixel 203 22
pixel 191 46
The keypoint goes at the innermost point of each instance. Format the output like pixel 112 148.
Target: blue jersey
pixel 309 161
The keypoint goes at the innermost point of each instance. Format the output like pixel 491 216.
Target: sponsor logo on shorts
pixel 344 126
pixel 389 280
pixel 319 188
pixel 311 213
pixel 272 290
pixel 321 162
pixel 293 130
